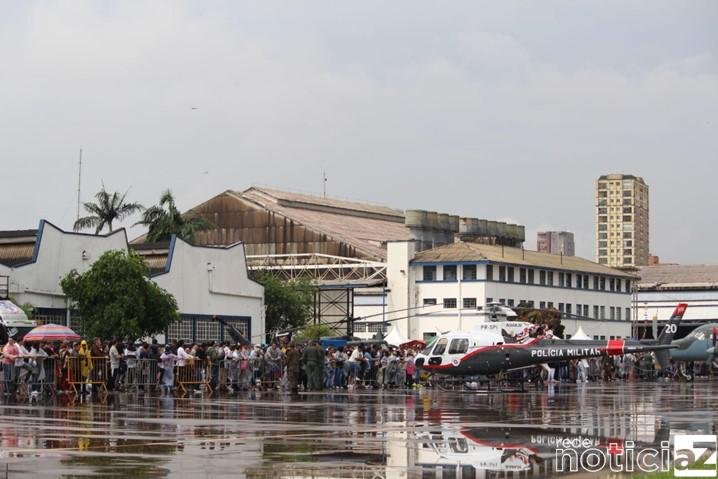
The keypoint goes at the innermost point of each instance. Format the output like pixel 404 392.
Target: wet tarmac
pixel 372 434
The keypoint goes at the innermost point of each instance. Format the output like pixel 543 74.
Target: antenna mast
pixel 324 175
pixel 79 184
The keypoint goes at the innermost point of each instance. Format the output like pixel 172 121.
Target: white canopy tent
pixel 394 337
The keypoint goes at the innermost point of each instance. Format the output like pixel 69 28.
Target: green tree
pixel 117 298
pixel 108 209
pixel 288 304
pixel 315 332
pixel 549 316
pixel 164 219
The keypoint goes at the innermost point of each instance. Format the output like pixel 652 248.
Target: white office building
pixel 446 288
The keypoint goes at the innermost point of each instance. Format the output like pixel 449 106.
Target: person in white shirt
pixel 115 357
pixel 182 355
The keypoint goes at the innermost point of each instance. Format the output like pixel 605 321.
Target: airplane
pixel 698 345
pixel 493 348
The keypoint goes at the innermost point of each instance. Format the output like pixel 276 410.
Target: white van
pixel 13 321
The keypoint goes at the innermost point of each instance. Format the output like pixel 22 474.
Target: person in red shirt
pixel 10 352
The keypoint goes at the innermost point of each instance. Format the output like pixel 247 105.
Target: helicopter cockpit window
pixel 429 346
pixel 458 445
pixel 459 346
pixel 440 346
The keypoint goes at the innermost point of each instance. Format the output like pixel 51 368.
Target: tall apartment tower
pixel 621 221
pixel 555 242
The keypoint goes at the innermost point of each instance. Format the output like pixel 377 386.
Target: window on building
pixel 510 271
pixel 602 227
pixel 469 303
pixel 489 272
pixel 628 313
pixel 585 310
pixel 569 280
pixel 502 274
pixel 569 308
pixel 612 312
pixel 429 301
pixel 489 300
pixel 618 313
pixel 579 281
pixel 628 286
pixel 510 303
pixel 627 218
pixel 602 235
pixel 531 276
pixel 449 303
pixel 522 275
pixel 449 272
pixel 549 278
pixel 469 272
pixel 602 261
pixel 561 280
pixel 602 337
pixel 502 301
pixel 542 277
pixel 612 284
pixel 542 304
pixel 578 309
pixel 602 284
pixel 459 346
pixel 549 305
pixel 603 312
pixel 429 273
pixel 531 303
pixel 585 281
pixel 560 307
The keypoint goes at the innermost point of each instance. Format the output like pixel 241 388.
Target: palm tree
pixel 164 219
pixel 106 210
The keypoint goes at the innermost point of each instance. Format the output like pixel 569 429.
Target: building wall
pixel 400 283
pixel 204 281
pixel 702 304
pixel 622 230
pixel 213 282
pixel 409 290
pixel 556 242
pixel 57 253
pixel 262 231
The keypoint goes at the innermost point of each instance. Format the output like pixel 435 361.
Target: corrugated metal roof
pixel 365 227
pixel 300 200
pixel 13 254
pixel 464 251
pixel 679 276
pixel 18 234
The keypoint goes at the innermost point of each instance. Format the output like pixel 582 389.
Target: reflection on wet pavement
pixel 349 434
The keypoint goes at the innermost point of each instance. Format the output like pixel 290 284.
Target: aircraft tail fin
pixel 669 330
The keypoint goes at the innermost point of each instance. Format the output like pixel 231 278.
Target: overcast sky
pixel 501 110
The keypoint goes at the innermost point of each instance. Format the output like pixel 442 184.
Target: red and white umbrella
pixel 52 332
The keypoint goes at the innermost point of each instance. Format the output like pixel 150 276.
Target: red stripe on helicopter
pixel 615 346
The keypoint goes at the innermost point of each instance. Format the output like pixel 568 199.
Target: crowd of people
pixel 119 365
pixel 35 368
